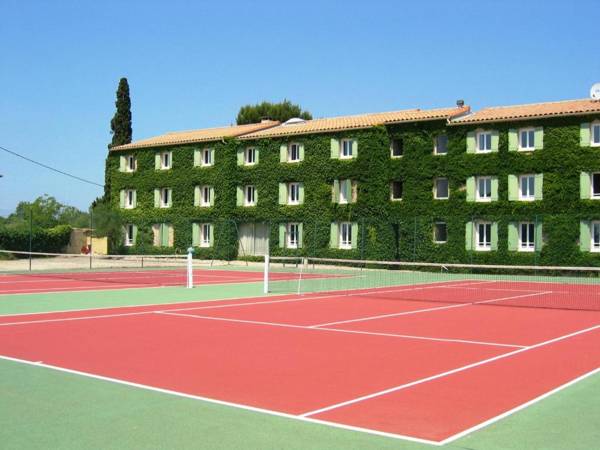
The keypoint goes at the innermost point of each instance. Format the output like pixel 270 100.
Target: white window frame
pixel 293 235
pixel 343 144
pixel 592 196
pixel 345 235
pixel 593 125
pixel 129 235
pixel 165 192
pixel 531 195
pixel 206 158
pixel 594 247
pixel 205 196
pixel 478 196
pixel 249 191
pixel 527 245
pixel 131 163
pixel 250 156
pixel 129 193
pixel 293 190
pixel 486 134
pixel 293 147
pixel 434 228
pixel 166 161
pixel 435 188
pixel 205 235
pixel 530 139
pixel 487 226
pixel 435 145
pixel 392 148
pixel 392 198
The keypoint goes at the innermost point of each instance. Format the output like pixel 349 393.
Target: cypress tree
pixel 120 125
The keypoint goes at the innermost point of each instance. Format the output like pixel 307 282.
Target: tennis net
pixel 576 288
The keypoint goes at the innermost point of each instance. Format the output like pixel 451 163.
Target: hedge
pixel 51 240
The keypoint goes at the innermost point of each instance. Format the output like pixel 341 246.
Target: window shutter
pixel 354 235
pixel 283 153
pixel 301 146
pixel 354 190
pixel 335 148
pixel 471 189
pixel 239 196
pixel 282 193
pixel 336 191
pixel 471 142
pixel 585 236
pixel 240 156
pixel 584 135
pixel 157 161
pixel 212 156
pixel 122 163
pixel 212 196
pixel 171 235
pixel 196 195
pixel 354 148
pixel 585 185
pixel 256 154
pixel 539 138
pixel 495 140
pixel 255 195
pixel 513 188
pixel 538 242
pixel 300 232
pixel 197 157
pixel 333 235
pixel 170 202
pixel 134 237
pixel 513 237
pixel 301 193
pixel 211 238
pixel 469 236
pixel 347 188
pixel 164 235
pixel 494 237
pixel 195 235
pixel 513 140
pixel 122 198
pixel 494 189
pixel 539 184
pixel 156 198
pixel 282 227
pixel 134 202
pixel 156 234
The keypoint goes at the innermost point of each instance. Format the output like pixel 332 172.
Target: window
pixel 250 156
pixel 527 187
pixel 293 194
pixel 595 245
pixel 595 134
pixel 526 237
pixel 483 236
pixel 347 145
pixel 165 160
pixel 440 233
pixel 396 190
pixel 397 148
pixel 163 235
pixel 484 142
pixel 440 188
pixel 250 196
pixel 440 146
pixel 129 235
pixel 483 192
pixel 345 235
pixel 527 139
pixel 205 199
pixel 293 233
pixel 129 198
pixel 131 163
pixel 596 185
pixel 294 152
pixel 205 237
pixel 206 157
pixel 165 197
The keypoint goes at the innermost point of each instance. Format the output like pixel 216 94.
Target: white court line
pixel 339 330
pixel 223 402
pixel 70 319
pixel 445 374
pixel 406 313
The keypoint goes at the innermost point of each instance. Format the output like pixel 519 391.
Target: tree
pixel 107 222
pixel 120 125
pixel 275 111
pixel 46 212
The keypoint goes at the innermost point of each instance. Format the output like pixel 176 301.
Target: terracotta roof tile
pixel 530 111
pixel 196 136
pixel 333 124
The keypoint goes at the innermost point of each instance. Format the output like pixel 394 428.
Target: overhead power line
pixel 83 180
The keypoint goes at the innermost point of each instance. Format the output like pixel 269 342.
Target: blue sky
pixel 193 64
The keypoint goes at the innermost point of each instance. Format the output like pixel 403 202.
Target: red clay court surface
pixel 418 370
pixel 39 282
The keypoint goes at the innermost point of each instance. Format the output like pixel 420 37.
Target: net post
pixel 190 266
pixel 266 275
pixel 30 234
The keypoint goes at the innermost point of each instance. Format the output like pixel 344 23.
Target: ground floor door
pixel 252 239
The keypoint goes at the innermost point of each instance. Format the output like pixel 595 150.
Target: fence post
pixel 30 235
pixel 91 234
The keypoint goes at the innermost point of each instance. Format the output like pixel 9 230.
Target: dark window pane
pixel 397 147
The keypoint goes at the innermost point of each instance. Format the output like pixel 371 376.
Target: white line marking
pixel 69 319
pixel 444 374
pixel 518 408
pixel 340 330
pixel 223 403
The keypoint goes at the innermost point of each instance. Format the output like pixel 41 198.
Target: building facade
pixel 506 185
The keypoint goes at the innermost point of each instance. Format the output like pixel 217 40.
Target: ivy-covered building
pixel 515 184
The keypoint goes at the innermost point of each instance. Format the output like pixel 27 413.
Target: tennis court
pixel 429 359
